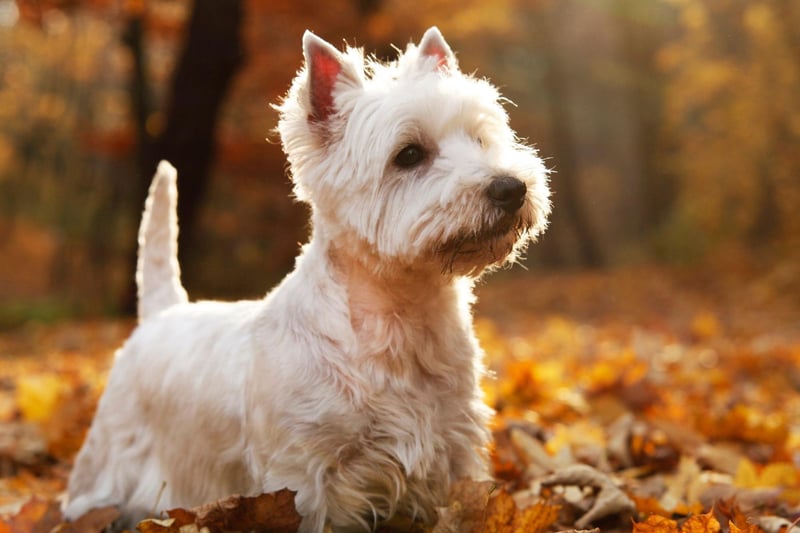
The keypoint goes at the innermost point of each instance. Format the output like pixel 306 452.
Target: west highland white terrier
pixel 355 382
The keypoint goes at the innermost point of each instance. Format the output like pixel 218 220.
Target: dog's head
pixel 413 158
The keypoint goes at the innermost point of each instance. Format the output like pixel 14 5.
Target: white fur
pixel 158 245
pixel 355 382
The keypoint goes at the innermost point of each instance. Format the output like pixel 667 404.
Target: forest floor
pixel 648 398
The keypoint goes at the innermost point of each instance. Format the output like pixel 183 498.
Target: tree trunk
pixel 564 182
pixel 211 54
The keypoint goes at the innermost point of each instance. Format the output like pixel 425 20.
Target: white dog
pixel 356 381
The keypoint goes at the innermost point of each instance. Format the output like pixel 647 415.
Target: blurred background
pixel 673 127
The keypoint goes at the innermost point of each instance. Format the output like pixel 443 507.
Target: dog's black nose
pixel 507 193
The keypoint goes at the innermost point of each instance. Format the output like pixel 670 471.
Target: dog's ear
pixel 325 65
pixel 434 45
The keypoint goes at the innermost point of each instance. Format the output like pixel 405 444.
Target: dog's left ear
pixel 434 45
pixel 325 66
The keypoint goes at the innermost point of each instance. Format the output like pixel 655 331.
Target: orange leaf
pixel 536 518
pixel 499 513
pixel 34 515
pixel 656 524
pixel 648 505
pixel 703 523
pixel 267 512
pixel 749 528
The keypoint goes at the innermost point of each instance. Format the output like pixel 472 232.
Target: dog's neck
pixel 386 288
pixel 392 312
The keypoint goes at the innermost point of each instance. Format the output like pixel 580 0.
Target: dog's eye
pixel 480 142
pixel 410 156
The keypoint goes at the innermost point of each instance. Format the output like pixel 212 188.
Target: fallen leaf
pixel 535 519
pixel 468 500
pixel 38 395
pixel 684 488
pixel 531 451
pixel 702 523
pixel 749 528
pixel 169 525
pixel 35 516
pixel 500 513
pixel 265 513
pixel 609 500
pixel 656 524
pixel 774 524
pixel 95 521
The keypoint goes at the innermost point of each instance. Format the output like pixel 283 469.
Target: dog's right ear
pixel 325 67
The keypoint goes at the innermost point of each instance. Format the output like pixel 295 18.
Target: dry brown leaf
pixel 730 509
pixel 472 494
pixel 774 524
pixel 95 521
pixel 684 487
pixel 35 516
pixel 610 500
pixel 265 513
pixel 169 525
pixel 479 506
pixel 531 451
pixel 468 500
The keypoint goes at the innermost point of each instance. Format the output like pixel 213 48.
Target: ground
pixel 645 398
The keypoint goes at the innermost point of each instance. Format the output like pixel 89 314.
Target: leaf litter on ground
pixel 648 400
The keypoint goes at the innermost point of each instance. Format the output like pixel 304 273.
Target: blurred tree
pixel 644 27
pixel 212 53
pixel 564 184
pixel 734 80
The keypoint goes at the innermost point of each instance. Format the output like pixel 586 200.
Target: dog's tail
pixel 158 274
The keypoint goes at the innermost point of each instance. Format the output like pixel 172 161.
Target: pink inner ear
pixel 323 71
pixel 436 49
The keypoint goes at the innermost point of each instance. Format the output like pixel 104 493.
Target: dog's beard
pixel 471 251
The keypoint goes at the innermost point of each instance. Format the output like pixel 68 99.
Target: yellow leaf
pixel 37 396
pixel 772 475
pixel 746 475
pixel 779 475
